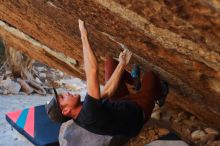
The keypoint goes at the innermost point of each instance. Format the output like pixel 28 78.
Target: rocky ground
pixel 185 125
pixel 164 120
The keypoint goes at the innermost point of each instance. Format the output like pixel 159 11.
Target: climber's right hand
pixel 125 57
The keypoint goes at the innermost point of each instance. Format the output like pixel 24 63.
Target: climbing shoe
pixel 165 91
pixel 135 73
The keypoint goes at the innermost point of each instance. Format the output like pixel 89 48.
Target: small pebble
pixel 211 131
pixel 197 135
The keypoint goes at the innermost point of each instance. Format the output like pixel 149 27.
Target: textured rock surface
pixel 178 39
pixel 71 134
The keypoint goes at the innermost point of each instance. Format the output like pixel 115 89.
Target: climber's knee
pixel 148 79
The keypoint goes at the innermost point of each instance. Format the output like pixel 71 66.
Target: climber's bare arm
pixel 113 83
pixel 90 64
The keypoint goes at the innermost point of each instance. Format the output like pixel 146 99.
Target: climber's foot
pixel 165 91
pixel 135 73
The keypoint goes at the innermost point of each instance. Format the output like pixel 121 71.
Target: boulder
pixel 73 135
pixel 25 87
pixel 10 86
pixel 178 39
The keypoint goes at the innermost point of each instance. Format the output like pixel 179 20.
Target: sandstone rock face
pixel 179 39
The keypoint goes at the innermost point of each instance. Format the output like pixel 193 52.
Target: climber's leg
pixel 150 92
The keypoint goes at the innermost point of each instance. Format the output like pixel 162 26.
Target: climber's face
pixel 68 102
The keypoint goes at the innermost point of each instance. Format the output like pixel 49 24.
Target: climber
pixel 113 111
